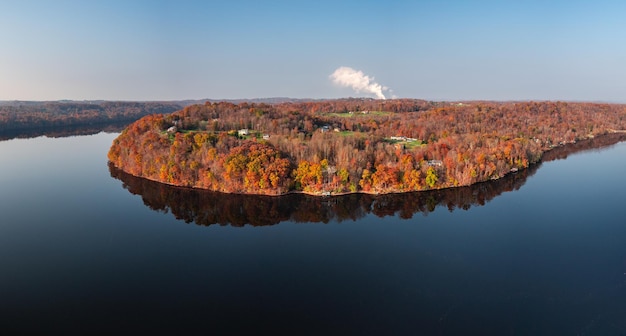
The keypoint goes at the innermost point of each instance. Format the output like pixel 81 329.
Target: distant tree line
pixel 348 145
pixel 64 131
pixel 22 116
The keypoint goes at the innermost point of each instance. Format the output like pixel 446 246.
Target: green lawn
pixel 350 134
pixel 407 144
pixel 413 144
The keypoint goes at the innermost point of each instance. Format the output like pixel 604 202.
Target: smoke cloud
pixel 358 81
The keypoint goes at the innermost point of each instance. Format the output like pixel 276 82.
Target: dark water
pixel 87 249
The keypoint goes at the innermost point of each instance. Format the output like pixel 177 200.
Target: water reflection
pixel 207 208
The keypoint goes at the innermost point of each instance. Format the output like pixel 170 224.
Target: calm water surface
pixel 82 251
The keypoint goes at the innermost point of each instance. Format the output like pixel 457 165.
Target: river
pixel 85 248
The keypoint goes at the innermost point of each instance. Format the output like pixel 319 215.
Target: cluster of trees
pixel 350 145
pixel 22 116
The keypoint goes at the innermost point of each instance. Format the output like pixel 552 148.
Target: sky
pixel 436 50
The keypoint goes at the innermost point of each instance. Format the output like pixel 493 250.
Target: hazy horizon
pixel 313 99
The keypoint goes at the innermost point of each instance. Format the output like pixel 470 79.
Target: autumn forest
pixel 352 145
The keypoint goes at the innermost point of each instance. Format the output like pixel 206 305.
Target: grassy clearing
pixel 346 134
pixel 413 144
pixel 407 144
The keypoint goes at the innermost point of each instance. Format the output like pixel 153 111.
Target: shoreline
pixel 621 134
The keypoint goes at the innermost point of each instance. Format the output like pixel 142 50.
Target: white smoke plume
pixel 358 81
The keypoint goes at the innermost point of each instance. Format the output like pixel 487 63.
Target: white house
pixel 436 163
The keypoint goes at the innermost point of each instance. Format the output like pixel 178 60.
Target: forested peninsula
pixel 352 145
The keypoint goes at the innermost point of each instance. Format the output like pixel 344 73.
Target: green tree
pixel 431 177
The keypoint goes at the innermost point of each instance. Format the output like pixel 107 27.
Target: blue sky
pixel 453 50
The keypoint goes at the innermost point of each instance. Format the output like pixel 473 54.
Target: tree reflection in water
pixel 207 208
